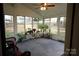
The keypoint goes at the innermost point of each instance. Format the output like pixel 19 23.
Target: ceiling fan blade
pixel 50 5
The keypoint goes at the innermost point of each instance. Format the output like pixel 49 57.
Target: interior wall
pixel 8 9
pixel 72 30
pixel 2 31
pixel 23 9
pixel 0 46
pixel 19 9
pixel 75 39
pixel 68 28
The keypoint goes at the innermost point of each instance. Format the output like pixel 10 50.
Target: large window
pixel 35 23
pixel 53 25
pixel 28 23
pixel 9 32
pixel 58 28
pixel 40 21
pixel 47 22
pixel 20 24
pixel 62 27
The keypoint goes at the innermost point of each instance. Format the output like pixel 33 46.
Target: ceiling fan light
pixel 43 8
pixel 45 4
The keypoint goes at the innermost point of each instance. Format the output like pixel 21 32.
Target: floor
pixel 42 47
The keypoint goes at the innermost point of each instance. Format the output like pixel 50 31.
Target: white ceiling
pixel 58 10
pixel 31 9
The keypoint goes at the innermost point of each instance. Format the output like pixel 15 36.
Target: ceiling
pixel 34 11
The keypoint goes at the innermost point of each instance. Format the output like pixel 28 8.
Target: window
pixel 53 25
pixel 28 23
pixel 35 23
pixel 20 24
pixel 39 22
pixel 58 28
pixel 9 32
pixel 47 22
pixel 62 27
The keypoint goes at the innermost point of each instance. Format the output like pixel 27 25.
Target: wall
pixel 72 30
pixel 68 28
pixel 19 9
pixel 75 37
pixel 26 10
pixel 0 46
pixel 2 31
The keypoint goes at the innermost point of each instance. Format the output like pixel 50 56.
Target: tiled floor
pixel 42 47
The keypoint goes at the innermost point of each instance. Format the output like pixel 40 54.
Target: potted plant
pixel 43 28
pixel 20 37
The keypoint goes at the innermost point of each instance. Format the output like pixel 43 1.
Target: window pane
pixel 28 22
pixel 9 26
pixel 20 24
pixel 35 23
pixel 47 22
pixel 53 25
pixel 62 27
pixel 40 21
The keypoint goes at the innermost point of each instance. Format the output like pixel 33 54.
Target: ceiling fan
pixel 45 6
